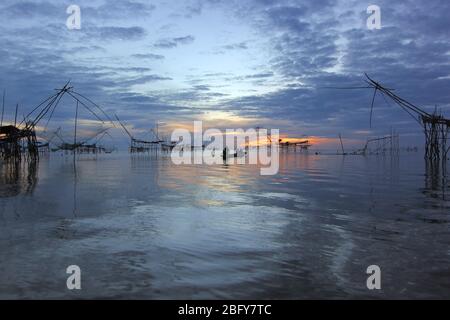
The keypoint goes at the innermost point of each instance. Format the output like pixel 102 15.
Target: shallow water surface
pixel 142 227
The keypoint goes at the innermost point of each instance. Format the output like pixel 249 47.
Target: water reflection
pixel 143 227
pixel 436 179
pixel 17 178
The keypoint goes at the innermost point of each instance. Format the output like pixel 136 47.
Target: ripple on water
pixel 145 228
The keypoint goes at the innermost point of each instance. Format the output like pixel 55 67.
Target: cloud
pixel 145 79
pixel 132 69
pixel 28 9
pixel 259 75
pixel 118 10
pixel 201 88
pixel 174 42
pixel 236 46
pixel 148 56
pixel 194 9
pixel 115 33
pixel 277 60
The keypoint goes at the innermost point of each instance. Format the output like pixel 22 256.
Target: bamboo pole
pixel 342 144
pixel 75 133
pixel 3 108
pixel 15 117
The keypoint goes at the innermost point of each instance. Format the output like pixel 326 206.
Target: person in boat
pixel 225 154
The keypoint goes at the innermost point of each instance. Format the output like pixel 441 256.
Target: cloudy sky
pixel 232 64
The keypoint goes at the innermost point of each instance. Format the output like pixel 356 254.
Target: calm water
pixel 145 228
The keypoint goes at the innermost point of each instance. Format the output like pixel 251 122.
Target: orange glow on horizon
pixel 311 140
pixel 314 141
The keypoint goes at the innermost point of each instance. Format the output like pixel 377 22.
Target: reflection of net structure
pixel 17 178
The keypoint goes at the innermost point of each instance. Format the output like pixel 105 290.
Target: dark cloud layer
pixel 174 42
pixel 308 46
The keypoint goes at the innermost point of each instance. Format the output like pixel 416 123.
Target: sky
pixel 231 64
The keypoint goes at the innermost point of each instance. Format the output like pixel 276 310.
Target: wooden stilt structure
pixel 19 139
pixel 138 145
pixel 435 126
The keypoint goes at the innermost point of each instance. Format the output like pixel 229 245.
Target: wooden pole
pixel 15 118
pixel 342 144
pixel 3 108
pixel 75 134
